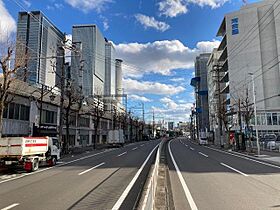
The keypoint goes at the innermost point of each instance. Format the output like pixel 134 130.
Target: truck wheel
pixel 53 161
pixel 35 165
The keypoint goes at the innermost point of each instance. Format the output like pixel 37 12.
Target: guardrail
pixel 149 199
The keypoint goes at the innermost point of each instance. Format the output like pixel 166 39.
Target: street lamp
pixel 255 112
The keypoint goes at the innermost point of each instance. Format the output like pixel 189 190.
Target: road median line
pixel 227 166
pixel 88 170
pixel 203 154
pixel 10 206
pixel 121 154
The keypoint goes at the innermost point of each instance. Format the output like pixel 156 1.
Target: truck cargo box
pixel 23 146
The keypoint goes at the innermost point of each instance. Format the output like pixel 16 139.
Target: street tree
pixel 10 71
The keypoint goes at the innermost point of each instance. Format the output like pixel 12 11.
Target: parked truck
pixel 116 137
pixel 29 152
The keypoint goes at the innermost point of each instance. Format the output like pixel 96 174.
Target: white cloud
pixel 27 3
pixel 88 5
pixel 173 8
pixel 173 110
pixel 105 25
pixel 7 23
pixel 139 98
pixel 160 56
pixel 151 22
pixel 180 79
pixel 144 87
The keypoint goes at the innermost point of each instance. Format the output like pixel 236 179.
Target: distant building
pixel 89 67
pixel 110 69
pixel 201 91
pixel 170 126
pixel 119 78
pixel 40 40
pixel 251 44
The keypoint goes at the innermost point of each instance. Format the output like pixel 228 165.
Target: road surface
pixel 206 178
pixel 101 180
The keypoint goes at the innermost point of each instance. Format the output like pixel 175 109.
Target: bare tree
pixel 72 105
pixel 226 118
pixel 8 77
pixel 247 112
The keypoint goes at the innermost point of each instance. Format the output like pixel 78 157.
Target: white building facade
pixel 250 46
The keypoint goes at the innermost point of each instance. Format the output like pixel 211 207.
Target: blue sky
pixel 157 39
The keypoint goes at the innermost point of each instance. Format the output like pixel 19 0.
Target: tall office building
pixel 110 69
pixel 119 77
pixel 91 76
pixel 39 39
pixel 251 45
pixel 201 91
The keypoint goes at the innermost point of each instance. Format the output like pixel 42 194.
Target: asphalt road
pixel 206 178
pixel 100 180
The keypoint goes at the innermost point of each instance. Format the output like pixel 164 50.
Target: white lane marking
pixel 184 185
pixel 246 158
pixel 45 169
pixel 11 206
pixel 186 145
pixel 192 148
pixel 88 170
pixel 141 145
pixel 121 154
pixel 203 154
pixel 223 164
pixel 130 185
pixel 135 148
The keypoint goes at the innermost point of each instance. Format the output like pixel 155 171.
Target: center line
pixel 234 169
pixel 191 148
pixel 122 154
pixel 11 206
pixel 135 148
pixel 203 154
pixel 91 168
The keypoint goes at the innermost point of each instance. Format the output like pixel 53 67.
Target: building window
pixel 235 26
pixel 49 117
pixel 83 122
pixel 274 119
pixel 269 119
pixel 263 120
pixel 24 112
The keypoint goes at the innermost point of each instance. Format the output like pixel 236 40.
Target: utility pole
pixel 219 104
pixel 255 113
pixel 240 124
pixel 62 86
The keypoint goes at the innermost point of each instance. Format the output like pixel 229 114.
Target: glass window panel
pixel 11 110
pixel 235 26
pixel 269 119
pixel 5 111
pixel 274 118
pixel 16 114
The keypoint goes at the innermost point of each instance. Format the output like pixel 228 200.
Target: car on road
pixel 269 141
pixel 203 141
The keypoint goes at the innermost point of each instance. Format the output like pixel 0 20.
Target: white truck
pixel 116 137
pixel 29 152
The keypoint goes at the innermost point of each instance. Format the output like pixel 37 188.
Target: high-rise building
pixel 201 91
pixel 110 69
pixel 249 48
pixel 91 77
pixel 40 40
pixel 119 77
